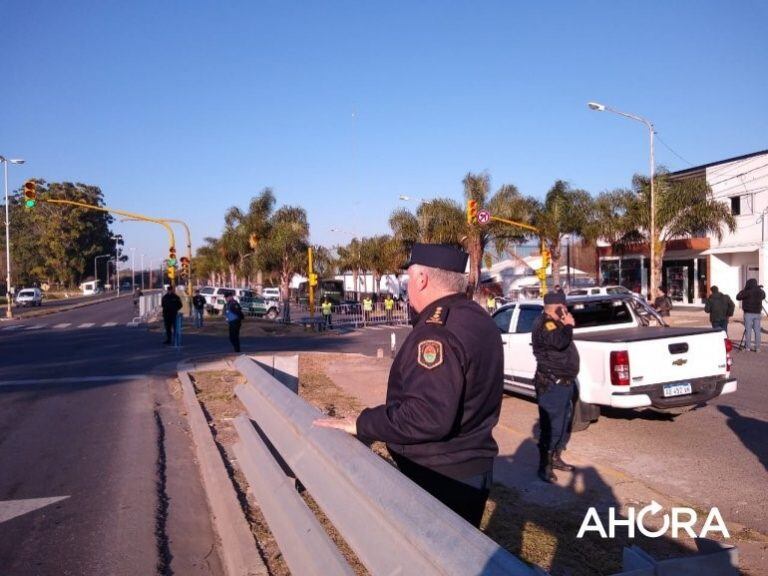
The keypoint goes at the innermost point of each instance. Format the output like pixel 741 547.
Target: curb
pixel 56 310
pixel 238 547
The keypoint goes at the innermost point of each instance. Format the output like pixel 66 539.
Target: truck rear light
pixel 620 368
pixel 728 357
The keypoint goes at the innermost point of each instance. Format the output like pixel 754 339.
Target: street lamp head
pixel 16 160
pixel 406 198
pixel 596 106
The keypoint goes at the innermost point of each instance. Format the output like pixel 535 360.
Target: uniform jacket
pixel 751 297
pixel 719 306
pixel 553 346
pixel 171 304
pixel 233 312
pixel 444 391
pixel 198 301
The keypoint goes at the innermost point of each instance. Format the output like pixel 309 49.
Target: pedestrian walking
pixel 367 309
pixel 137 294
pixel 445 388
pixel 557 366
pixel 234 316
pixel 752 303
pixel 171 304
pixel 720 308
pixel 198 307
pixel 662 303
pixel 327 309
pixel 389 305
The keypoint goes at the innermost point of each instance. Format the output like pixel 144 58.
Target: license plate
pixel 677 389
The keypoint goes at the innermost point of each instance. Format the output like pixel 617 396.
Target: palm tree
pixel 564 211
pixel 284 248
pixel 683 209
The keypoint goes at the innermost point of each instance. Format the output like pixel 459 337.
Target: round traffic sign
pixel 483 216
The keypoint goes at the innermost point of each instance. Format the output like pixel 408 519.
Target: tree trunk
pixel 555 263
pixel 655 279
pixel 475 250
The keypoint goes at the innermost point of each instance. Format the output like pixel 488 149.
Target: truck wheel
pixel 583 415
pixel 272 314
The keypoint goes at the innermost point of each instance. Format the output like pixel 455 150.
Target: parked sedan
pixel 29 297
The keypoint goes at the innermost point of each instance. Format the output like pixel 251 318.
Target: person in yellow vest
pixel 389 305
pixel 490 303
pixel 326 307
pixel 367 309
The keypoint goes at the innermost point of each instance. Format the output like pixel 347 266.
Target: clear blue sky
pixel 182 109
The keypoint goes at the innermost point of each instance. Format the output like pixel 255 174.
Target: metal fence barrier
pixel 352 315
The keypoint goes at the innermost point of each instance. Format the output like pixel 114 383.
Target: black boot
pixel 545 467
pixel 558 464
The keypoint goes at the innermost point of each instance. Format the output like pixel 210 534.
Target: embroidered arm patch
pixel 549 325
pixel 430 354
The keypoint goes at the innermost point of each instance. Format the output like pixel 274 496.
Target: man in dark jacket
pixel 233 313
pixel 198 308
pixel 557 366
pixel 171 304
pixel 445 388
pixel 752 303
pixel 720 308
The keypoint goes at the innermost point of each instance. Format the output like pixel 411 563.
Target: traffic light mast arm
pixel 542 271
pixel 171 236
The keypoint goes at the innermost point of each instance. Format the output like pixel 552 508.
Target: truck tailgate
pixel 667 354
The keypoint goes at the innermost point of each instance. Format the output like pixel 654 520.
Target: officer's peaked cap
pixel 439 256
pixel 554 298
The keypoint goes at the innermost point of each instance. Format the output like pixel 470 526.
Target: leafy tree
pixel 56 244
pixel 284 248
pixel 564 211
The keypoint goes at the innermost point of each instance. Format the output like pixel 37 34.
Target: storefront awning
pixel 730 250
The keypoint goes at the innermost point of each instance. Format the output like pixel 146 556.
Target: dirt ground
pixel 537 534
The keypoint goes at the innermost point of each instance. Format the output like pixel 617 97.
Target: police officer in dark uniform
pixel 557 366
pixel 445 388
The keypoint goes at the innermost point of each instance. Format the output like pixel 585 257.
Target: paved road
pixel 97 472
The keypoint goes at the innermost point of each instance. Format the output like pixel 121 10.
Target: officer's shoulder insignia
pixel 430 354
pixel 438 316
pixel 549 325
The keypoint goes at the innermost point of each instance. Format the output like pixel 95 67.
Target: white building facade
pixel 742 184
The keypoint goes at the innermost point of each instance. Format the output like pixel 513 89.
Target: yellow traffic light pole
pixel 189 242
pixel 310 285
pixel 171 236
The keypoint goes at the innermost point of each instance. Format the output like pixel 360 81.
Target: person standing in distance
pixel 752 303
pixel 234 316
pixel 445 388
pixel 327 309
pixel 198 306
pixel 720 308
pixel 171 304
pixel 557 366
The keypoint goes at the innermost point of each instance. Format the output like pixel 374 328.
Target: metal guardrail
pixel 149 308
pixel 393 526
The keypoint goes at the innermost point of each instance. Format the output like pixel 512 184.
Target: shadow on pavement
pixel 752 432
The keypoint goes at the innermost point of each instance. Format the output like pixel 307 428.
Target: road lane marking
pixel 12 508
pixel 35 327
pixel 64 325
pixel 108 324
pixel 16 327
pixel 87 325
pixel 72 380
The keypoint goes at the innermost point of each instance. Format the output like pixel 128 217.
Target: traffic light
pixel 546 257
pixel 172 256
pixel 171 273
pixel 30 194
pixel 313 279
pixel 471 211
pixel 184 266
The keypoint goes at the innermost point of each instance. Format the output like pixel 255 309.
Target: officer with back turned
pixel 557 366
pixel 445 388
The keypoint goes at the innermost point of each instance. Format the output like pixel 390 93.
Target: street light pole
pixel 117 239
pixel 9 309
pixel 142 272
pixel 603 108
pixel 133 269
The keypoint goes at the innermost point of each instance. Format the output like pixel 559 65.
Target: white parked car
pixel 29 297
pixel 270 293
pixel 629 357
pixel 603 291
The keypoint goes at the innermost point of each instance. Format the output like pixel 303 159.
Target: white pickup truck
pixel 629 357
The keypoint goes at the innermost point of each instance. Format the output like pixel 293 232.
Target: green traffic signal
pixel 30 203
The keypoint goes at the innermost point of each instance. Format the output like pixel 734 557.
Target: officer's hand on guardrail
pixel 348 424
